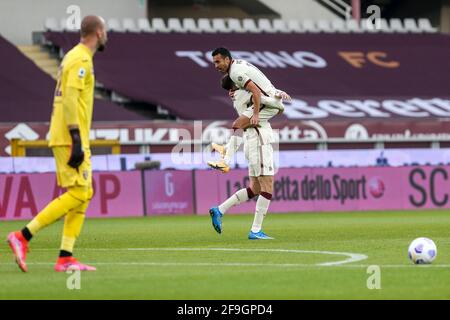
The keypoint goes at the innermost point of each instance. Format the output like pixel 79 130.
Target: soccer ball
pixel 422 251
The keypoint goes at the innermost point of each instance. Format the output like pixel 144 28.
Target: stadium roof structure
pixel 26 92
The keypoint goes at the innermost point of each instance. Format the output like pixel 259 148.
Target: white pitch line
pixel 352 257
pixel 213 264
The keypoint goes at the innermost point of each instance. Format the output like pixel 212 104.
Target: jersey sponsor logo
pixel 81 73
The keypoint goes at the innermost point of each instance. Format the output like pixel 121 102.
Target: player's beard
pixel 101 47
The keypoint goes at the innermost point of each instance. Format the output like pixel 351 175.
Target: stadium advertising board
pixel 335 189
pixel 168 192
pixel 117 194
pixel 132 134
pixel 283 159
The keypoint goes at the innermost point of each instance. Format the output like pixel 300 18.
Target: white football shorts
pixel 259 151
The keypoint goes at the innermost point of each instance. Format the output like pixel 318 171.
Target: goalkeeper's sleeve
pixel 70 106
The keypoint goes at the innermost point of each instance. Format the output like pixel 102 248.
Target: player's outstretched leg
pixel 237 198
pixel 227 152
pixel 19 246
pixel 73 224
pixel 18 240
pixel 219 148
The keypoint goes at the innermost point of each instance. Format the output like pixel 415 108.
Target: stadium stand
pixel 279 25
pixel 190 25
pixel 26 92
pixel 250 26
pixel 205 25
pixel 114 25
pixel 219 25
pixel 382 76
pixel 227 25
pixel 144 25
pixel 174 25
pixel 294 26
pixel 129 25
pixel 234 25
pixel 159 25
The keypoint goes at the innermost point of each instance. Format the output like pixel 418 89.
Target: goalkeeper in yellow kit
pixel 69 139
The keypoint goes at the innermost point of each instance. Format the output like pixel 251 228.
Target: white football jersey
pixel 241 72
pixel 241 100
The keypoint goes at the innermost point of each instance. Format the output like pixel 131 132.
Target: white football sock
pixel 237 198
pixel 232 146
pixel 262 205
pixel 272 102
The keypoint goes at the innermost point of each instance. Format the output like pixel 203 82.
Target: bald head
pixel 90 25
pixel 93 33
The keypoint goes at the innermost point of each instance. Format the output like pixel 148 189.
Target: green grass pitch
pixel 182 257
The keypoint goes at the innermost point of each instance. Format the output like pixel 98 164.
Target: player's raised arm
pixel 253 88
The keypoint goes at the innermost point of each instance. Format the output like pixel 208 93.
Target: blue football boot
pixel 258 236
pixel 216 217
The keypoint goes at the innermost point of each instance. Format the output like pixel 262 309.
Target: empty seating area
pixel 26 92
pixel 228 25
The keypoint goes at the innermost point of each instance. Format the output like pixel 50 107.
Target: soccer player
pixel 69 139
pixel 243 104
pixel 258 148
pixel 265 99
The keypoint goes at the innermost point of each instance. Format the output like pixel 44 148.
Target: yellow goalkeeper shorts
pixel 68 176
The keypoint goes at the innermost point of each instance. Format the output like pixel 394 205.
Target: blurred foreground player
pixel 69 139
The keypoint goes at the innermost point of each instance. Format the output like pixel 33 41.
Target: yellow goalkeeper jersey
pixel 76 71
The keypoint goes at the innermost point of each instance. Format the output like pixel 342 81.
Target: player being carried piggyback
pixel 256 101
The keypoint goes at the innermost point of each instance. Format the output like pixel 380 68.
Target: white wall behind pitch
pixel 19 18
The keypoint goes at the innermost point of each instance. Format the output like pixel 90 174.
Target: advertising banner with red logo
pixel 117 194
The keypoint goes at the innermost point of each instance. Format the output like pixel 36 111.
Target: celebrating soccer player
pixel 249 85
pixel 69 139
